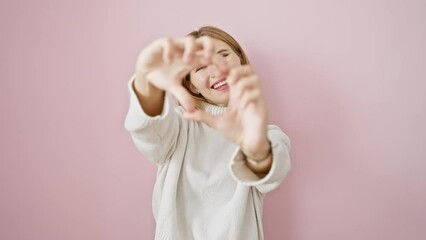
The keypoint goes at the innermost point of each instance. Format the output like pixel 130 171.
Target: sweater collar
pixel 213 109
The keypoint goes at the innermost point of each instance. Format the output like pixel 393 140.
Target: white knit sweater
pixel 203 189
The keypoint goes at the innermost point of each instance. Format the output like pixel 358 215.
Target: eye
pixel 201 68
pixel 225 54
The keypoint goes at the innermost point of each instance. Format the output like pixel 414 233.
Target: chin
pixel 218 102
pixel 222 102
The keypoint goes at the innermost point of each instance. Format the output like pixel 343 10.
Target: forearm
pixel 150 98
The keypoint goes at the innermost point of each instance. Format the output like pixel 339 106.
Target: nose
pixel 212 70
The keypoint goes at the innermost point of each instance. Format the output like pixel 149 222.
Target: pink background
pixel 346 80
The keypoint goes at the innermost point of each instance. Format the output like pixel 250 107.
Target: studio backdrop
pixel 346 80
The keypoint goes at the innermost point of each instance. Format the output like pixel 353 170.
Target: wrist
pixel 144 87
pixel 260 154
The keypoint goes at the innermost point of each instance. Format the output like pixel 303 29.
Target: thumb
pixel 201 116
pixel 183 97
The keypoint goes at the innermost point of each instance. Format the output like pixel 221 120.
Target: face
pixel 210 81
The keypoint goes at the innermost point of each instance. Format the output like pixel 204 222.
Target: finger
pixel 246 83
pixel 189 47
pixel 233 78
pixel 205 44
pixel 199 61
pixel 206 54
pixel 239 72
pixel 182 72
pixel 249 97
pixel 183 97
pixel 201 116
pixel 168 49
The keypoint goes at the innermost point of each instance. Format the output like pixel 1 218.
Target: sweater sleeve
pixel 281 164
pixel 155 137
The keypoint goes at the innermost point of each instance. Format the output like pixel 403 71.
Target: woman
pixel 215 153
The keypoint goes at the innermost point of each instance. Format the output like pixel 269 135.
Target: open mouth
pixel 219 84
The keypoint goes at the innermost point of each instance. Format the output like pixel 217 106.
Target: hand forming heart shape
pixel 167 61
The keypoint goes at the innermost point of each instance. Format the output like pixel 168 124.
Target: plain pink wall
pixel 346 80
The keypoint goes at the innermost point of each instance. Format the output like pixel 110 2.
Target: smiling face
pixel 209 80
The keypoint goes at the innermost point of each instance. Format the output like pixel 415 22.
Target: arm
pixel 280 165
pixel 261 164
pixel 245 123
pixel 154 136
pixel 150 97
pixel 160 68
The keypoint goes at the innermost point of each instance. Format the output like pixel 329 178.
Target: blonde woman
pixel 216 155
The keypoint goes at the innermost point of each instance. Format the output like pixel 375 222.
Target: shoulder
pixel 180 110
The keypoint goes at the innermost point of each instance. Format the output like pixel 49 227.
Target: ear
pixel 191 87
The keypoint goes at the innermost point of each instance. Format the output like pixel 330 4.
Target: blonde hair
pixel 223 36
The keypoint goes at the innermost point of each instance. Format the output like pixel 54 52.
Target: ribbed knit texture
pixel 203 190
pixel 213 109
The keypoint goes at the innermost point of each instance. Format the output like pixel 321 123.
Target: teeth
pixel 219 84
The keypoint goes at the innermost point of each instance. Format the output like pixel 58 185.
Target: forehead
pixel 218 44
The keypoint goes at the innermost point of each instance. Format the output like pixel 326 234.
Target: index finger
pixel 205 44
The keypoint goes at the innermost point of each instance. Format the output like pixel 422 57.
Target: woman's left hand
pixel 245 120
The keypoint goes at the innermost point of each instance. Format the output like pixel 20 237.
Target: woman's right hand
pixel 165 62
